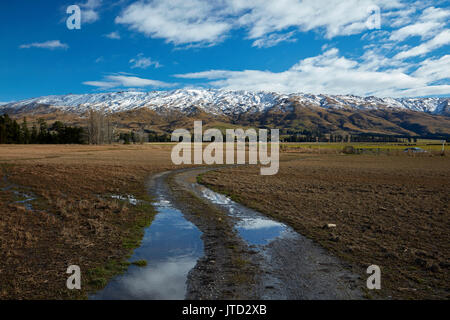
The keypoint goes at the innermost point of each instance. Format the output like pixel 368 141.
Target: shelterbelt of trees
pixel 11 132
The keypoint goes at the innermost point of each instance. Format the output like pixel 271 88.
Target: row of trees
pixel 58 133
pixel 142 136
pixel 99 130
pixel 345 138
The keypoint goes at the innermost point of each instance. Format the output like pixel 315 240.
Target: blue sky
pixel 311 46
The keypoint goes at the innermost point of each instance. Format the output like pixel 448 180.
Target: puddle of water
pixel 27 198
pixel 25 202
pixel 253 227
pixel 171 246
pixel 130 198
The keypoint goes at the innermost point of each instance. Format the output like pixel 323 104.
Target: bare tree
pixel 100 128
pixel 141 136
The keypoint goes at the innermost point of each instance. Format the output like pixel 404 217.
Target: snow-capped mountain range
pixel 220 102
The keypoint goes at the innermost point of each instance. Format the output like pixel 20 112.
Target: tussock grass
pixel 74 221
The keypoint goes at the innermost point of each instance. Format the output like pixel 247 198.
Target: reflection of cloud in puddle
pixel 252 228
pixel 163 203
pixel 165 280
pixel 254 224
pixel 184 225
pixel 171 245
pixel 215 197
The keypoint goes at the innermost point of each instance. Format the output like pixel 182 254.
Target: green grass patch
pixel 136 230
pixel 97 278
pixel 140 263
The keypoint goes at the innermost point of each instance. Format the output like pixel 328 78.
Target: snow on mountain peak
pixel 220 101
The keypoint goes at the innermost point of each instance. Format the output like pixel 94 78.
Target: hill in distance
pixel 165 111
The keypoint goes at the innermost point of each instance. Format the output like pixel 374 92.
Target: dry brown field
pixel 391 211
pixel 74 220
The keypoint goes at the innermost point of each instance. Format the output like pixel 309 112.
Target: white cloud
pixel 434 70
pixel 89 11
pixel 52 44
pixel 373 60
pixel 269 23
pixel 335 17
pixel 438 41
pixel 399 18
pixel 177 21
pixel 422 29
pixel 435 14
pixel 120 80
pixel 274 39
pixel 326 73
pixel 202 21
pixel 143 62
pixel 431 22
pixel 427 91
pixel 113 35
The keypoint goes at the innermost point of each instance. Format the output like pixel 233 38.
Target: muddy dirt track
pixel 249 256
pixel 391 211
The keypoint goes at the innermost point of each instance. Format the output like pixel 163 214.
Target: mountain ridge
pixel 164 111
pixel 216 101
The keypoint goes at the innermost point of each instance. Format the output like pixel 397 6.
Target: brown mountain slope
pixel 296 119
pixel 381 121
